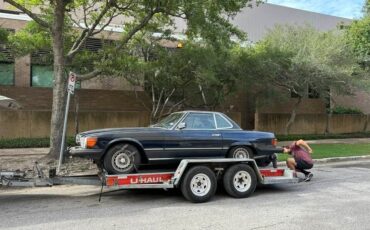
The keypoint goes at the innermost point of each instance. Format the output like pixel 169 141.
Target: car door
pixel 199 138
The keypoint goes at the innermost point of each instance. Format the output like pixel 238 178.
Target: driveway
pixel 337 198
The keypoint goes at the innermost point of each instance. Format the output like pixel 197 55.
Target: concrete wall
pixel 33 124
pixel 285 106
pixel 360 100
pixel 312 123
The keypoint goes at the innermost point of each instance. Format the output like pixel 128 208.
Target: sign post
pixel 71 90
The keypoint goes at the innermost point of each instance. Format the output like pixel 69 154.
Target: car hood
pixel 120 130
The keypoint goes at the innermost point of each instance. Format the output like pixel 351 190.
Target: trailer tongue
pixel 196 178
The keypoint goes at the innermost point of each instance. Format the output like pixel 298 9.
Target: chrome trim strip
pixel 164 149
pixel 193 148
pixel 163 159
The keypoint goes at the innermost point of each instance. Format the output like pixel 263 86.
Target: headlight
pixel 88 142
pixel 78 137
pixel 83 142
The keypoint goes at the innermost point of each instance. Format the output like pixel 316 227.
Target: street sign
pixel 71 82
pixel 71 90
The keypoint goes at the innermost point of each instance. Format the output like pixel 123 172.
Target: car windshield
pixel 169 121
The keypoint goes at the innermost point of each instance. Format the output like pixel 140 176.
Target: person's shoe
pixel 308 177
pixel 274 163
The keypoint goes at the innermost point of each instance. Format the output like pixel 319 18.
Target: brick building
pixel 28 79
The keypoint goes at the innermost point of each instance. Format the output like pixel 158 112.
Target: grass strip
pixel 335 150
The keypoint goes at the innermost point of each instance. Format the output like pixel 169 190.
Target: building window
pixel 42 76
pixel 6 64
pixel 6 73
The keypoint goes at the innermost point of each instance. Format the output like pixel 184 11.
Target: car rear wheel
pixel 122 158
pixel 241 152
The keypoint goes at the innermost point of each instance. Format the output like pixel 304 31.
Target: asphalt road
pixel 338 197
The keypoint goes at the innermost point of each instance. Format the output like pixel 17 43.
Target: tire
pixel 240 181
pixel 241 152
pixel 122 158
pixel 199 184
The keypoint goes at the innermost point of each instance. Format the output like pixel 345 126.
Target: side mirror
pixel 182 125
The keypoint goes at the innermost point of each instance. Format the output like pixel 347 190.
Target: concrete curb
pixel 333 160
pixel 23 152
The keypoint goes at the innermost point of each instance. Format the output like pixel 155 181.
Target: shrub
pixel 30 143
pixel 344 110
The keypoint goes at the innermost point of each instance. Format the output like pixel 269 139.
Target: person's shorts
pixel 301 164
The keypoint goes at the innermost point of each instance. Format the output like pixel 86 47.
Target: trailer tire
pixel 240 181
pixel 199 184
pixel 122 158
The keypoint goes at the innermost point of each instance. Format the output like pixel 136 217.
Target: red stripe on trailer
pixel 139 179
pixel 272 172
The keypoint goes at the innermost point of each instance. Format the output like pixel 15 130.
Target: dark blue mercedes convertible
pixel 181 135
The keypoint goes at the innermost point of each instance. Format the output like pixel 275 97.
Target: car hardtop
pixel 235 126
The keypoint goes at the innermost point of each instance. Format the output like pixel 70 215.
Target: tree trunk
pixel 330 114
pixel 292 116
pixel 366 122
pixel 60 80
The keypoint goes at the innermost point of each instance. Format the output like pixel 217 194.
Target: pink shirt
pixel 300 153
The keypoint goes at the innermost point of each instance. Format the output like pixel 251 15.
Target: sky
pixel 341 8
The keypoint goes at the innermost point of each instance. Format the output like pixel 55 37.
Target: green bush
pixel 344 110
pixel 30 143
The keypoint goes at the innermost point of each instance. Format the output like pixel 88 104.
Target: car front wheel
pixel 122 158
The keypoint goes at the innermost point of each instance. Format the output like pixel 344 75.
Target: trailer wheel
pixel 240 181
pixel 199 184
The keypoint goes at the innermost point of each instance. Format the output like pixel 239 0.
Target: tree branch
pixel 105 25
pixel 85 35
pixel 92 74
pixel 37 19
pixel 75 22
pixel 158 102
pixel 137 28
pixel 123 8
pixel 165 102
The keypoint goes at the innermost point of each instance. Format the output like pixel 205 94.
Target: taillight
pixel 91 142
pixel 274 142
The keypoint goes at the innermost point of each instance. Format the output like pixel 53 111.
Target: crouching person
pixel 301 160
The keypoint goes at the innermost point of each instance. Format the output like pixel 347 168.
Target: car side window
pixel 222 123
pixel 200 121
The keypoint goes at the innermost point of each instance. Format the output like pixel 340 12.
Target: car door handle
pixel 216 134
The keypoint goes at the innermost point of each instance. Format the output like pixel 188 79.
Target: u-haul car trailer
pixel 196 178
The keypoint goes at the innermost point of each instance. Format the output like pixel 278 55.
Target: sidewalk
pixel 24 152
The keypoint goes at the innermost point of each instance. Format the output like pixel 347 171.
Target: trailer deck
pixel 197 178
